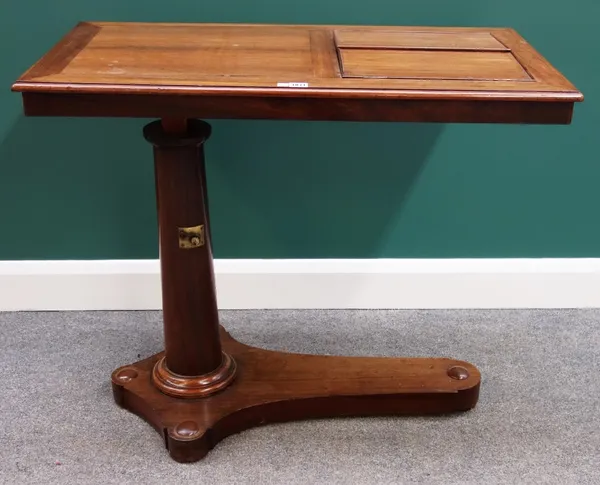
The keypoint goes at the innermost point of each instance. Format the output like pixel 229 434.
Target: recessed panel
pixel 172 52
pixel 431 64
pixel 385 39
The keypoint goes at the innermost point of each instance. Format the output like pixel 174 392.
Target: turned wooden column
pixel 194 364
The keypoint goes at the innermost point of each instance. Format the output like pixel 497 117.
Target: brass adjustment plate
pixel 191 237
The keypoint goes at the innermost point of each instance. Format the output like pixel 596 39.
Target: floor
pixel 537 421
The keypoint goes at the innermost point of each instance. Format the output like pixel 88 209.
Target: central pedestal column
pixel 194 364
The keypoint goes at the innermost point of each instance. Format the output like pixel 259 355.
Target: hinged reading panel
pixel 466 56
pixel 362 38
pixel 427 64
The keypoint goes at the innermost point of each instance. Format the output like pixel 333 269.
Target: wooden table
pixel 206 385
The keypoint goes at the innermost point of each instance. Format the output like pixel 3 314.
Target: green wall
pixel 83 188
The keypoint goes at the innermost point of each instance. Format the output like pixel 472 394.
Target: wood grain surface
pixel 297 72
pixel 228 59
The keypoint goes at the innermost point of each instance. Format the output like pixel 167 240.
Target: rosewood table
pixel 206 385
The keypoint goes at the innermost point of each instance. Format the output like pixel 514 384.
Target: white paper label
pixel 292 85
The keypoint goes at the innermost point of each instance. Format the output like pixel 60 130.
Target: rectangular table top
pixel 271 70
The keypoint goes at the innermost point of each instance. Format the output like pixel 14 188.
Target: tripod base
pixel 277 386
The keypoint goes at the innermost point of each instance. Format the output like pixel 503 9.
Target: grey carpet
pixel 538 419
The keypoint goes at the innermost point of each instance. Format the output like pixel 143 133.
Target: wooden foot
pixel 276 386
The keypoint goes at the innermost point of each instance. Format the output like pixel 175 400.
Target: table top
pixel 302 62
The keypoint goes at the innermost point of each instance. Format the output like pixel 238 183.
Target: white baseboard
pixel 249 284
